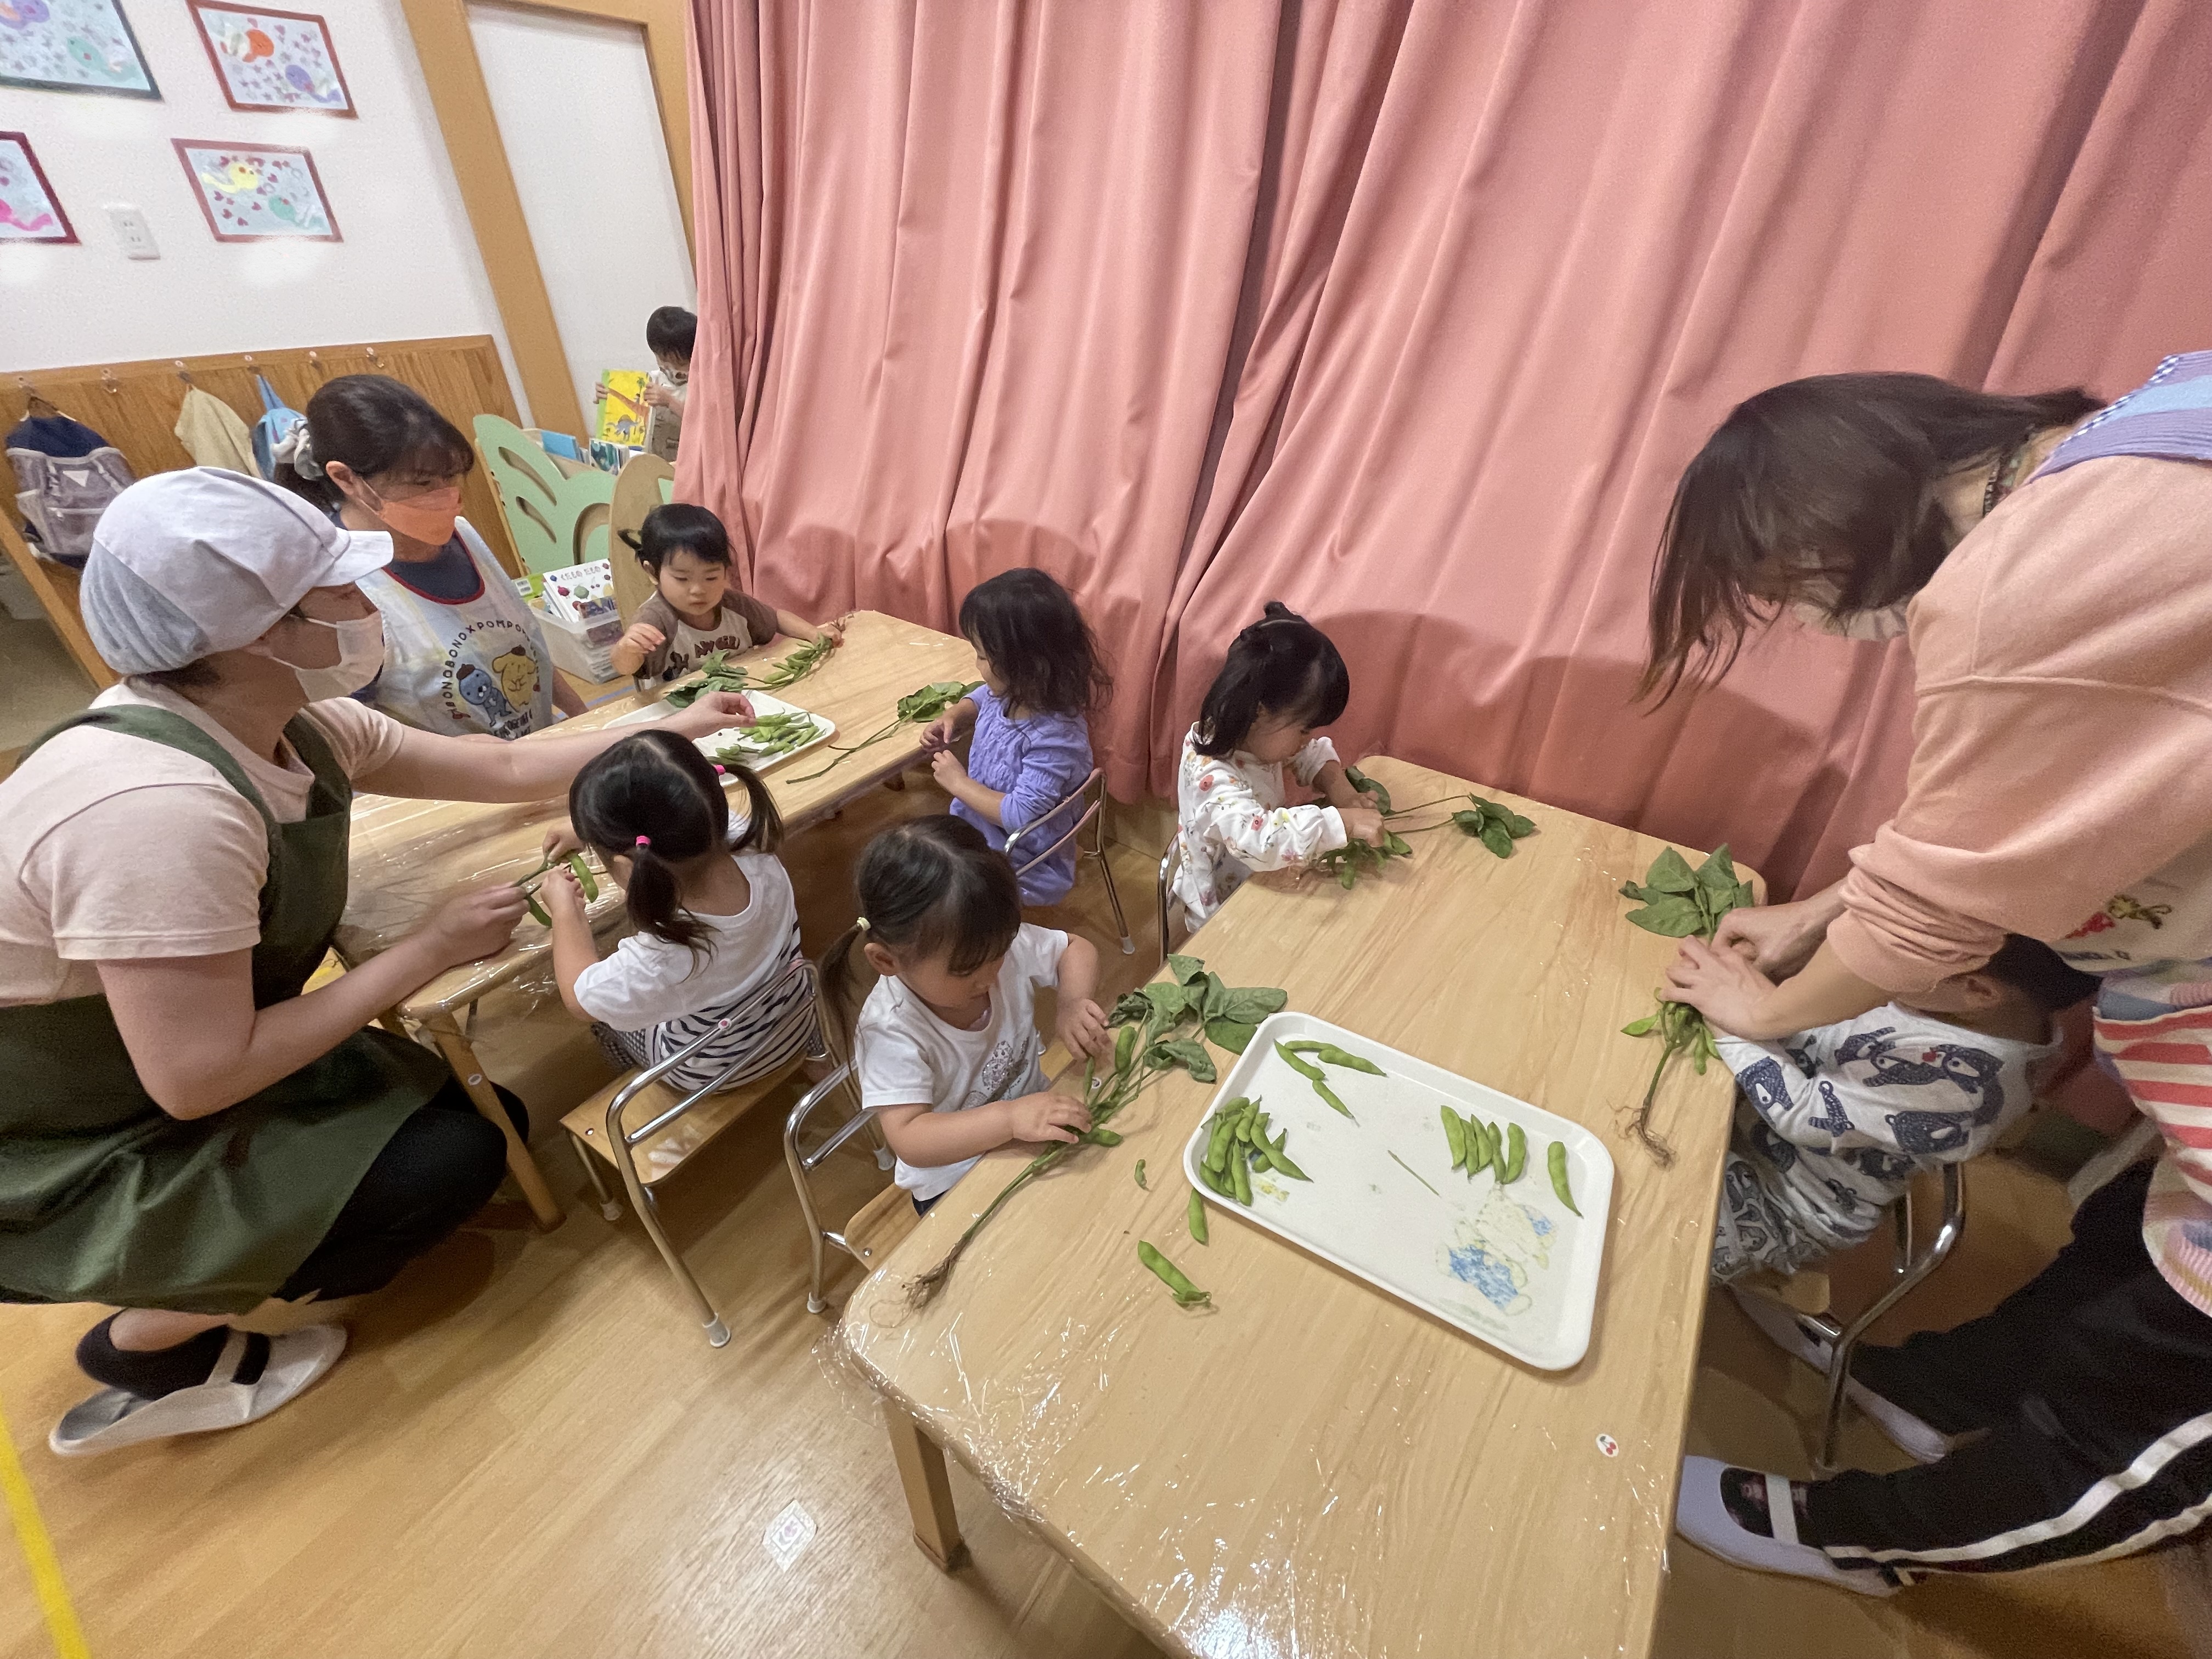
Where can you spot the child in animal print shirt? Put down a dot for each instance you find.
(1832, 1124)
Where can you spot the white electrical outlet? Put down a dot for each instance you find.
(132, 232)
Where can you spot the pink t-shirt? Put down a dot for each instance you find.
(114, 847)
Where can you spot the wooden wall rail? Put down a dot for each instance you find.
(134, 406)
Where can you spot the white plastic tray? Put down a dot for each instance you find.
(824, 728)
(1510, 1266)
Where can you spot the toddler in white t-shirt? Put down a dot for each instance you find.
(947, 1043)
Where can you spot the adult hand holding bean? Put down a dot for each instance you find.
(475, 924)
(713, 711)
(1779, 939)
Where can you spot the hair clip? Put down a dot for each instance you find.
(645, 841)
(722, 771)
(860, 924)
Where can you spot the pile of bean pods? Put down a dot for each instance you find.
(577, 867)
(769, 736)
(1476, 1146)
(1240, 1145)
(1326, 1054)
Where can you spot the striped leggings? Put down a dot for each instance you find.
(2091, 1391)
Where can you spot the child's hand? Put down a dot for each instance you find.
(1721, 986)
(940, 732)
(560, 841)
(659, 396)
(1362, 823)
(1047, 1116)
(643, 638)
(713, 711)
(832, 631)
(1082, 1027)
(558, 892)
(946, 766)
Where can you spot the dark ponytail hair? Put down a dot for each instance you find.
(1281, 664)
(929, 887)
(679, 527)
(659, 785)
(1822, 486)
(1030, 628)
(375, 425)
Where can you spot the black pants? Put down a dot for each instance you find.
(2094, 1383)
(438, 1170)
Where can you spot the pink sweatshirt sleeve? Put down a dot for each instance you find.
(2062, 734)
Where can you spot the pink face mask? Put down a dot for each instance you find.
(427, 518)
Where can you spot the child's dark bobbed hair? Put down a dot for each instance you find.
(654, 799)
(1028, 625)
(670, 332)
(2040, 973)
(1281, 664)
(375, 425)
(928, 887)
(679, 527)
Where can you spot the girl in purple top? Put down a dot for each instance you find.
(1032, 748)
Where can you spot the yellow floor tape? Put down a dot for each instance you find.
(38, 1552)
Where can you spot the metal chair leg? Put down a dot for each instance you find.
(1909, 1273)
(815, 1304)
(1167, 866)
(1113, 894)
(608, 1207)
(640, 1198)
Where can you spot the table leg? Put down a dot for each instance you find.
(928, 1489)
(524, 1168)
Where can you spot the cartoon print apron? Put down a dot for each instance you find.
(461, 669)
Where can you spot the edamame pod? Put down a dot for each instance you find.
(1334, 1056)
(1240, 1181)
(585, 878)
(1140, 1176)
(1455, 1134)
(537, 910)
(1516, 1154)
(1329, 1095)
(1311, 1073)
(1124, 1049)
(1555, 1161)
(1496, 1153)
(1478, 1147)
(1187, 1295)
(1197, 1217)
(1281, 1159)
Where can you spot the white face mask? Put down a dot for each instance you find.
(360, 658)
(1886, 623)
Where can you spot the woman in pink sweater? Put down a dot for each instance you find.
(2054, 574)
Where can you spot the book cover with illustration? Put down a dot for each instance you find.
(623, 407)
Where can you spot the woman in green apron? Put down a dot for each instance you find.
(184, 1131)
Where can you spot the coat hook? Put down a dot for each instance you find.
(314, 359)
(107, 379)
(183, 374)
(374, 358)
(249, 358)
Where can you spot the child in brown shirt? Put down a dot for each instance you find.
(694, 611)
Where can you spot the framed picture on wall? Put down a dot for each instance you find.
(28, 211)
(258, 193)
(272, 59)
(72, 45)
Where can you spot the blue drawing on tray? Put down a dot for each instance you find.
(71, 45)
(1494, 1250)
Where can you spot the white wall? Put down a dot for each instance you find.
(574, 98)
(407, 268)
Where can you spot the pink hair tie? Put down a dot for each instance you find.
(722, 771)
(645, 841)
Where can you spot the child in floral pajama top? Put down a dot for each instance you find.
(1283, 679)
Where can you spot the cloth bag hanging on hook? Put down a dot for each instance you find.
(67, 474)
(275, 423)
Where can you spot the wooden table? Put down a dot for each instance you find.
(410, 856)
(1309, 1466)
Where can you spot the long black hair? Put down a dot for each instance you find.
(1826, 487)
(1282, 665)
(679, 527)
(654, 799)
(375, 425)
(931, 887)
(1028, 625)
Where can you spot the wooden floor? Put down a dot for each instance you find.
(530, 1452)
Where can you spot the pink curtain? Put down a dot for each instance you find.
(1409, 315)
